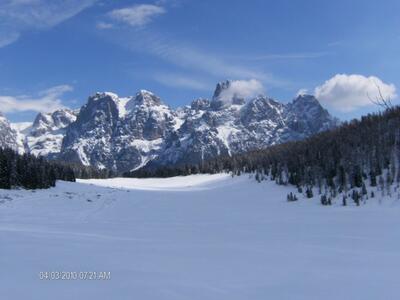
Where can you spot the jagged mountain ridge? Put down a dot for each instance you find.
(216, 129)
(44, 136)
(126, 133)
(47, 132)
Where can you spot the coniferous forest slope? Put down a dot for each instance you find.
(358, 154)
(31, 172)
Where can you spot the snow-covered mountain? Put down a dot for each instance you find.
(119, 133)
(218, 126)
(47, 132)
(44, 136)
(126, 133)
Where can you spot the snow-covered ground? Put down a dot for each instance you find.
(197, 237)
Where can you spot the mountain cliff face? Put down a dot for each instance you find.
(119, 133)
(125, 134)
(8, 136)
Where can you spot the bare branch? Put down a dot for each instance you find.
(380, 100)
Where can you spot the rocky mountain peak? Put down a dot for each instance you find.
(47, 132)
(306, 116)
(51, 121)
(200, 104)
(262, 108)
(144, 97)
(221, 86)
(305, 99)
(63, 117)
(307, 104)
(101, 95)
(224, 98)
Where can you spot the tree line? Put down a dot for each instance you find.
(31, 172)
(357, 154)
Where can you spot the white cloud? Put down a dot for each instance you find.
(47, 101)
(242, 89)
(302, 92)
(349, 92)
(137, 15)
(18, 16)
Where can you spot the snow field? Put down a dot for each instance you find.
(196, 237)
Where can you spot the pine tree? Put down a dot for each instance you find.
(324, 200)
(344, 201)
(356, 197)
(309, 192)
(364, 189)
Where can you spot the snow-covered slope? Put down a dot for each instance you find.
(21, 129)
(199, 237)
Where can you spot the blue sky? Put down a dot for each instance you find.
(56, 53)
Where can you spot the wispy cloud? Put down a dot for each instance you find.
(47, 101)
(181, 81)
(8, 38)
(104, 25)
(336, 43)
(190, 60)
(284, 56)
(194, 59)
(137, 15)
(18, 16)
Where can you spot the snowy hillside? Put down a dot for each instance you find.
(197, 237)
